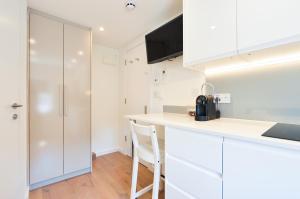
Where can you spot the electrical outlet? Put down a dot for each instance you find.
(225, 98)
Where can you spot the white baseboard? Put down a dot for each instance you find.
(125, 151)
(58, 179)
(27, 192)
(107, 151)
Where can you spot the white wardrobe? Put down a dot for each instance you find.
(60, 108)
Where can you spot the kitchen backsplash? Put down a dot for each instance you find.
(271, 94)
(177, 109)
(174, 85)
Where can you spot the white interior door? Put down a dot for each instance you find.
(138, 82)
(13, 90)
(137, 89)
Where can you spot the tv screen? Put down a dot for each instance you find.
(165, 42)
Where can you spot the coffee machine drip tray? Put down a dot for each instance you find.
(284, 131)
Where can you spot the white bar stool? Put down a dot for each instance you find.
(148, 153)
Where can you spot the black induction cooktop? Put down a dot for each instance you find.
(284, 131)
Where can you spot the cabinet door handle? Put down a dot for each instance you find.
(60, 100)
(65, 101)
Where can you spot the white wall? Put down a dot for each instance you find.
(105, 99)
(174, 85)
(178, 86)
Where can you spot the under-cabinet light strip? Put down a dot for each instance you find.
(252, 65)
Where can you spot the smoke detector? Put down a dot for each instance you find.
(130, 4)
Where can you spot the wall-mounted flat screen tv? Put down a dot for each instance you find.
(165, 42)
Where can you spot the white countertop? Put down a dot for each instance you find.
(247, 130)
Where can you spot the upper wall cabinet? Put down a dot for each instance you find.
(209, 30)
(267, 23)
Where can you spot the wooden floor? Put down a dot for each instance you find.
(111, 179)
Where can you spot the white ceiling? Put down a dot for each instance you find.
(121, 25)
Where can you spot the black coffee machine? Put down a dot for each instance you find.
(207, 106)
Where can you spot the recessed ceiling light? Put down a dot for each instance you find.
(101, 29)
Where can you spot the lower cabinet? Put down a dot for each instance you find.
(199, 165)
(260, 172)
(193, 180)
(175, 193)
(193, 165)
(199, 149)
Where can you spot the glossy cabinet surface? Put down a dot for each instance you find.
(195, 181)
(263, 24)
(77, 92)
(209, 30)
(174, 193)
(199, 149)
(60, 93)
(193, 164)
(46, 98)
(260, 172)
(216, 29)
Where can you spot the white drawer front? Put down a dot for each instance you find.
(195, 181)
(174, 193)
(199, 149)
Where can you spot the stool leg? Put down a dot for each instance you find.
(156, 180)
(162, 179)
(135, 170)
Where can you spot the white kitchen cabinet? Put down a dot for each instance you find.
(209, 30)
(173, 192)
(194, 147)
(193, 164)
(46, 98)
(267, 23)
(260, 171)
(77, 93)
(195, 181)
(59, 76)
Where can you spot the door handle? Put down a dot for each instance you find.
(16, 105)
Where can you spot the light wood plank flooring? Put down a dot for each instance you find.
(111, 179)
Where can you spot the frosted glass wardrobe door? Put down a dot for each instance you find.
(77, 146)
(46, 98)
